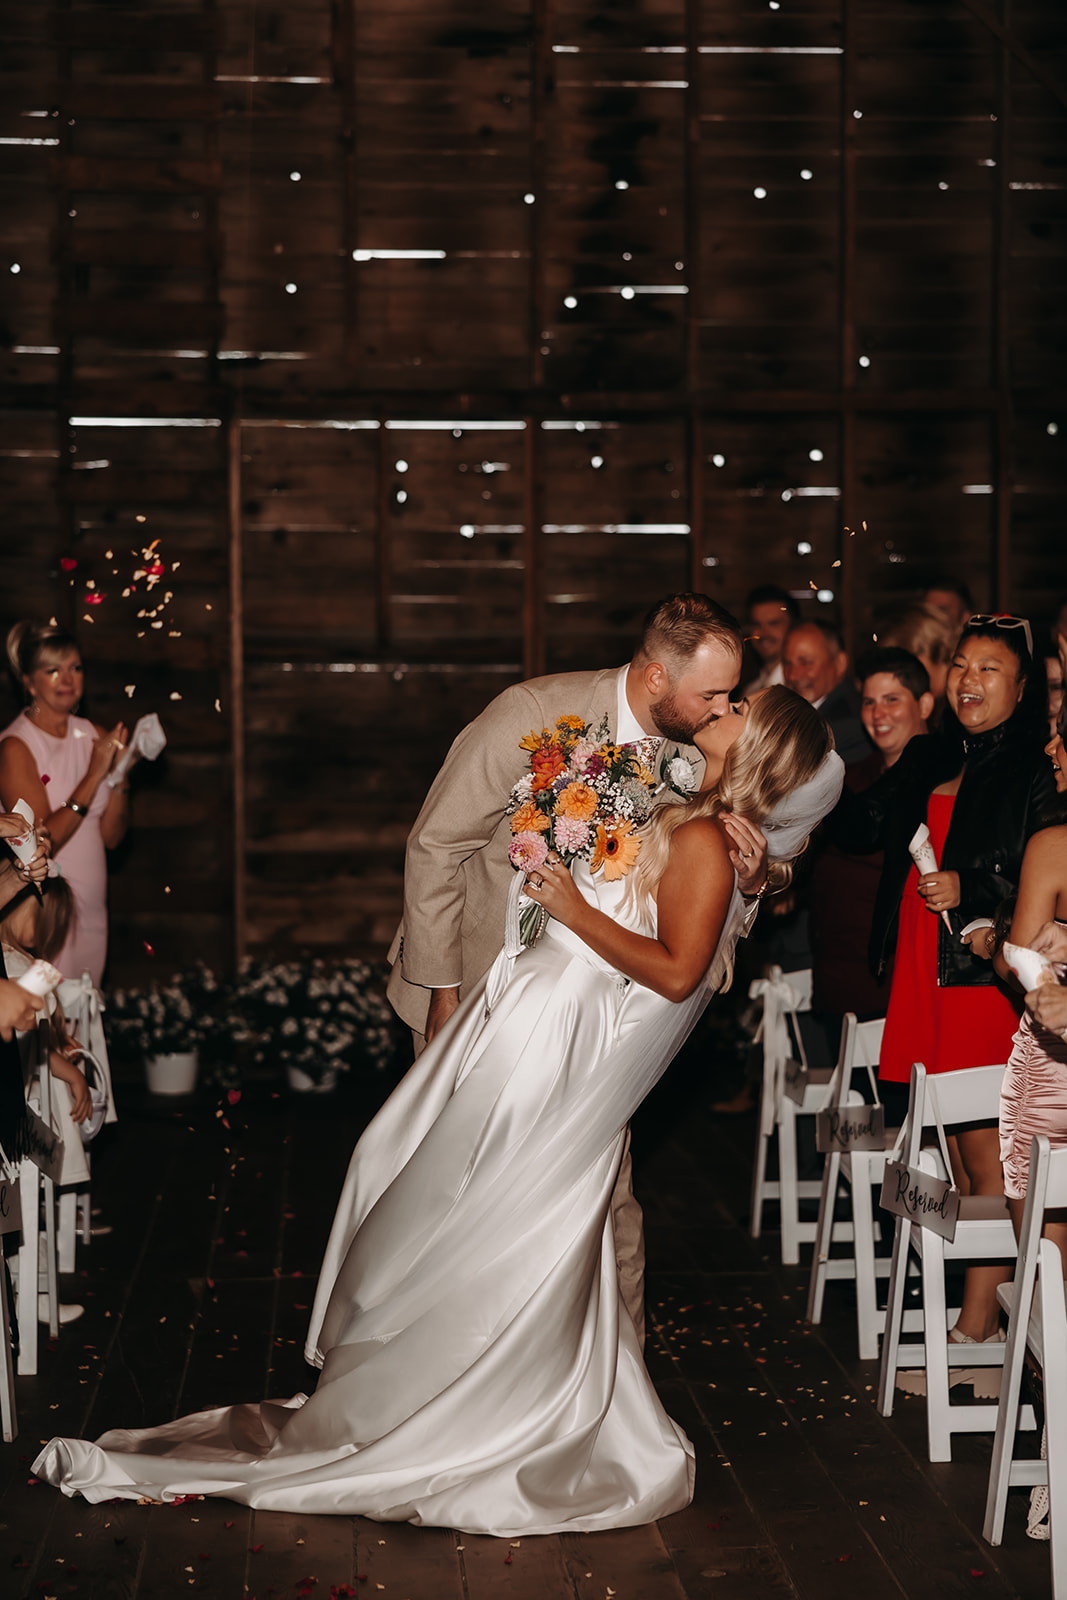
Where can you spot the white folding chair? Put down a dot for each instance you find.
(983, 1233)
(1037, 1312)
(8, 1412)
(82, 1006)
(37, 1193)
(785, 995)
(850, 1177)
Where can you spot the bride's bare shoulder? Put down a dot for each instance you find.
(703, 836)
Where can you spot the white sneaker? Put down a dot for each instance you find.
(68, 1313)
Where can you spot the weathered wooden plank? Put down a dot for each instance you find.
(136, 176)
(132, 30)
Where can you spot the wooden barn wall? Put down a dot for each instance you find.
(410, 346)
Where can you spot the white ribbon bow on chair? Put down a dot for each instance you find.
(781, 1000)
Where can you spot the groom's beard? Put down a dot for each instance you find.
(672, 723)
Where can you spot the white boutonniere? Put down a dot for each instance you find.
(678, 772)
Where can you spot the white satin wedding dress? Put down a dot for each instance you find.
(478, 1368)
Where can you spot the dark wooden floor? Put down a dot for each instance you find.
(200, 1296)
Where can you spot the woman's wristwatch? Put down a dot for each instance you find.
(79, 811)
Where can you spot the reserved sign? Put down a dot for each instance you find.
(918, 1196)
(10, 1206)
(845, 1128)
(44, 1147)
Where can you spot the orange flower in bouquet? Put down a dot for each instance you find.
(579, 801)
(530, 819)
(615, 851)
(546, 764)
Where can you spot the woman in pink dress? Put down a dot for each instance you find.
(1034, 1095)
(59, 763)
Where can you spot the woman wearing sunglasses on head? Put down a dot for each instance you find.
(979, 785)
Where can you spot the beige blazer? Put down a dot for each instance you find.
(456, 871)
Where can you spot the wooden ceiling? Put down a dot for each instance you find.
(432, 340)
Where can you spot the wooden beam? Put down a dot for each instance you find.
(237, 688)
(1000, 444)
(846, 259)
(532, 630)
(1014, 44)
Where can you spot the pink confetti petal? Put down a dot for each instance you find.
(233, 1096)
(67, 563)
(45, 778)
(148, 947)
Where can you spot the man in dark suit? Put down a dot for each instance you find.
(815, 665)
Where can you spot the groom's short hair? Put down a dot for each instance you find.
(677, 626)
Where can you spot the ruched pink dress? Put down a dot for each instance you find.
(62, 763)
(1033, 1099)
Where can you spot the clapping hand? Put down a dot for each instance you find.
(107, 750)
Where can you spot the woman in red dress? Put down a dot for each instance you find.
(979, 785)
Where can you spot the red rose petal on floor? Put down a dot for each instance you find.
(227, 1524)
(977, 1572)
(507, 1559)
(148, 947)
(233, 1096)
(67, 563)
(255, 1548)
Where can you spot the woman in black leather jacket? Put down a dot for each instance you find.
(980, 785)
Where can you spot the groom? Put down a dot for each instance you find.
(457, 872)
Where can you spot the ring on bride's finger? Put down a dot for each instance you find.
(537, 883)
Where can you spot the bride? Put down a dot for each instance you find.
(478, 1369)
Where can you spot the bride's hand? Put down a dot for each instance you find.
(749, 854)
(552, 886)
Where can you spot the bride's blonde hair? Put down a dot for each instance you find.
(782, 745)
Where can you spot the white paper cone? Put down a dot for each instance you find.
(922, 853)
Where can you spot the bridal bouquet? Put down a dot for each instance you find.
(583, 797)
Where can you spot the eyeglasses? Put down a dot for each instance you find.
(1001, 619)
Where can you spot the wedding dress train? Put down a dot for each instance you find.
(478, 1368)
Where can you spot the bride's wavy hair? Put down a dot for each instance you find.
(782, 745)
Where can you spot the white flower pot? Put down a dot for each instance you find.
(300, 1083)
(174, 1073)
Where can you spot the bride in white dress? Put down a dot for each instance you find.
(478, 1368)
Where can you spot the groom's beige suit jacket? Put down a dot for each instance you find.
(456, 871)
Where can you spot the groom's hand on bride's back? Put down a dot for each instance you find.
(748, 854)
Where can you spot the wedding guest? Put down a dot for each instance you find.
(1054, 677)
(36, 927)
(930, 636)
(456, 869)
(814, 665)
(770, 612)
(895, 702)
(980, 785)
(952, 598)
(17, 1008)
(1034, 1093)
(60, 764)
